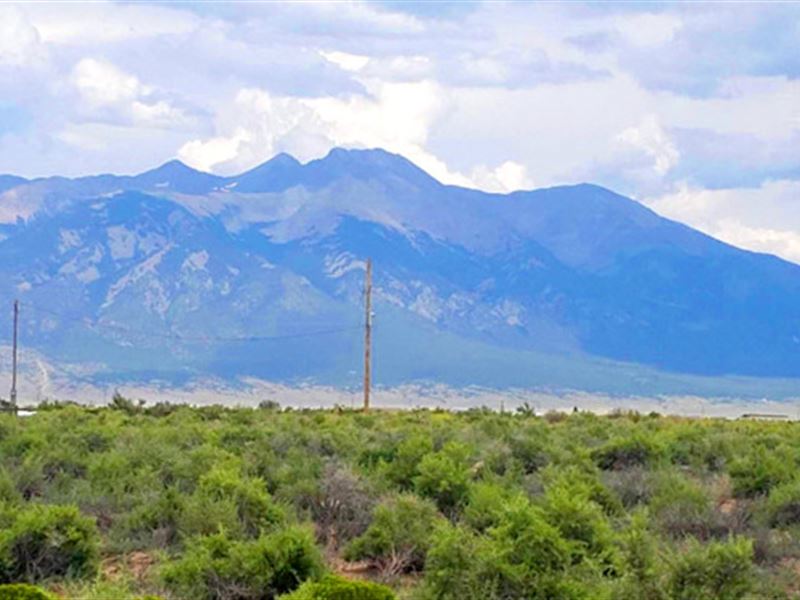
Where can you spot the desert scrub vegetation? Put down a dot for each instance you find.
(132, 501)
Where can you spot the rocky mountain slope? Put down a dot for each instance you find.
(175, 274)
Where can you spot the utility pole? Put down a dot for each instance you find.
(14, 358)
(367, 333)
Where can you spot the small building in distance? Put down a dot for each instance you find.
(764, 417)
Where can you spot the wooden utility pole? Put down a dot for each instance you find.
(14, 357)
(367, 333)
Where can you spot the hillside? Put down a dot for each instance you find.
(175, 274)
(127, 501)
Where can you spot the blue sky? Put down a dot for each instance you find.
(691, 108)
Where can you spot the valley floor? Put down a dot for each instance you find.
(130, 500)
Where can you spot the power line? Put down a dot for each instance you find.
(184, 338)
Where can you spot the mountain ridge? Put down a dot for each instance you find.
(574, 274)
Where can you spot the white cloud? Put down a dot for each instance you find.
(650, 138)
(20, 43)
(780, 242)
(508, 177)
(396, 117)
(763, 219)
(489, 95)
(106, 22)
(648, 29)
(102, 84)
(207, 154)
(253, 128)
(346, 61)
(767, 107)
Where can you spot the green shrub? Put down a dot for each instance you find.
(582, 480)
(497, 506)
(783, 505)
(530, 450)
(402, 466)
(641, 573)
(522, 557)
(525, 538)
(761, 470)
(48, 541)
(633, 486)
(682, 507)
(581, 521)
(627, 452)
(444, 477)
(485, 505)
(338, 588)
(155, 523)
(398, 538)
(453, 566)
(8, 491)
(719, 570)
(699, 447)
(216, 567)
(126, 405)
(223, 500)
(22, 591)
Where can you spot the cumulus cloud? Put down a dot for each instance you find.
(764, 218)
(499, 96)
(396, 117)
(345, 60)
(102, 85)
(507, 177)
(256, 126)
(20, 43)
(649, 137)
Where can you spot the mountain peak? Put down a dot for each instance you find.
(283, 158)
(370, 163)
(284, 171)
(177, 176)
(278, 173)
(171, 168)
(373, 156)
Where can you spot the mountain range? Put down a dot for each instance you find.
(175, 274)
